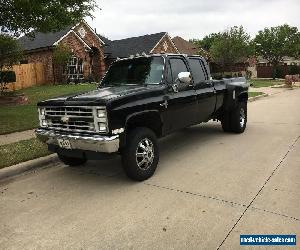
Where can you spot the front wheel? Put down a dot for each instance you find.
(141, 154)
(71, 161)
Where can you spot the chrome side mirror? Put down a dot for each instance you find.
(185, 77)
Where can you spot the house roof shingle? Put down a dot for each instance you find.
(42, 40)
(184, 46)
(133, 45)
(117, 48)
(104, 39)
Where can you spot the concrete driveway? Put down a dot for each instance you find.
(209, 188)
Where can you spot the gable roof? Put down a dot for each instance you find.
(133, 45)
(104, 39)
(42, 40)
(185, 47)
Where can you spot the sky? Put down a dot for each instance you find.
(118, 19)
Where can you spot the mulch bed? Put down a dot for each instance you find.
(12, 100)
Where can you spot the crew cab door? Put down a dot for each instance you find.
(206, 97)
(182, 105)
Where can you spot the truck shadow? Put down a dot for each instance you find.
(170, 146)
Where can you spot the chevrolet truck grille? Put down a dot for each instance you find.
(76, 119)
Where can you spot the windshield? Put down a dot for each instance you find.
(137, 71)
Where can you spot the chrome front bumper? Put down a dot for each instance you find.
(96, 143)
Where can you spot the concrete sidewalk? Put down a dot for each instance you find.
(15, 137)
(269, 90)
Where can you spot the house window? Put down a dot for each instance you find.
(75, 69)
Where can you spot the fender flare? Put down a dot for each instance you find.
(134, 115)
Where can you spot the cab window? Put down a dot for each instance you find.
(197, 70)
(177, 66)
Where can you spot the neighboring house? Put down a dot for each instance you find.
(148, 44)
(264, 69)
(286, 61)
(185, 47)
(87, 47)
(92, 53)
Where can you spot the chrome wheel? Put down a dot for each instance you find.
(242, 117)
(144, 154)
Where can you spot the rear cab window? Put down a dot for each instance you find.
(198, 69)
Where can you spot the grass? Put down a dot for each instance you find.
(252, 94)
(258, 83)
(21, 151)
(24, 117)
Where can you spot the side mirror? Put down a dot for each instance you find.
(185, 77)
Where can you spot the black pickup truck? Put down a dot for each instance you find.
(139, 100)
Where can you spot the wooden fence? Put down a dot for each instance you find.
(28, 75)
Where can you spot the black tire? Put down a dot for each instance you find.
(238, 118)
(71, 161)
(225, 121)
(133, 154)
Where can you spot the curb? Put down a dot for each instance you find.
(254, 98)
(26, 166)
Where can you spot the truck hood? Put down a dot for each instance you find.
(99, 96)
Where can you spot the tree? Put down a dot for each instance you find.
(61, 56)
(231, 46)
(10, 54)
(206, 42)
(276, 42)
(23, 16)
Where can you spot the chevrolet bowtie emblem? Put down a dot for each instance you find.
(65, 119)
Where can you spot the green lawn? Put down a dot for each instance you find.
(24, 117)
(21, 151)
(252, 94)
(258, 83)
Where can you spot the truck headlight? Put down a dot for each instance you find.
(101, 119)
(101, 113)
(102, 127)
(42, 118)
(44, 123)
(42, 111)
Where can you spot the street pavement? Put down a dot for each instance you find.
(209, 188)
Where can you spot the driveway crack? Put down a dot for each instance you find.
(195, 194)
(260, 190)
(271, 212)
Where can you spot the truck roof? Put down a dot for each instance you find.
(160, 54)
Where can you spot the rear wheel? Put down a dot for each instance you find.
(238, 118)
(141, 154)
(71, 161)
(235, 120)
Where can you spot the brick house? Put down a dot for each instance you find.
(92, 53)
(148, 44)
(87, 52)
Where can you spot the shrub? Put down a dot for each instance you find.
(248, 74)
(294, 69)
(6, 77)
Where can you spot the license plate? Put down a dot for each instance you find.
(64, 143)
